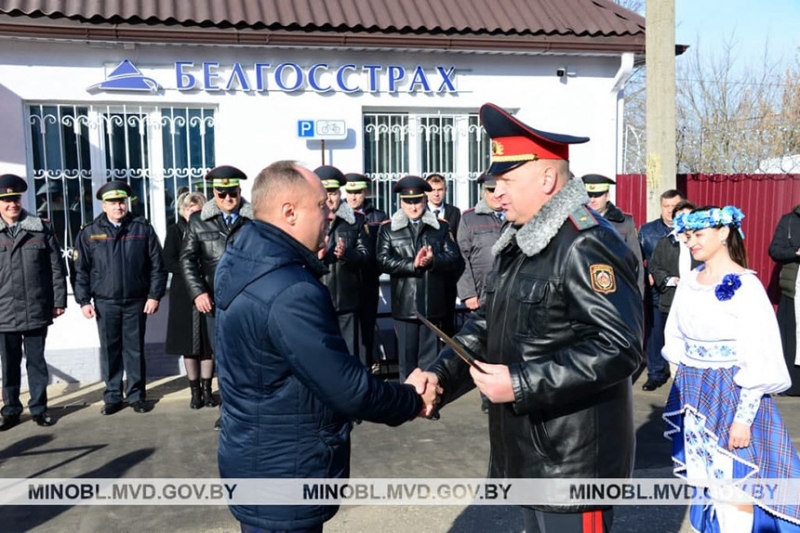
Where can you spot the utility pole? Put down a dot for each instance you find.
(660, 102)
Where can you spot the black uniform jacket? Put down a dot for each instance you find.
(418, 289)
(204, 243)
(118, 264)
(344, 275)
(563, 312)
(32, 275)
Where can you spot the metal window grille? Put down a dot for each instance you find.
(398, 144)
(159, 151)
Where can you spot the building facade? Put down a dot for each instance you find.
(158, 98)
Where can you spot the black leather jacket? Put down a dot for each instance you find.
(563, 312)
(415, 289)
(344, 275)
(204, 243)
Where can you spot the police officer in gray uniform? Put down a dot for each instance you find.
(33, 291)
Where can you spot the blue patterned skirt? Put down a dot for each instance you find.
(699, 414)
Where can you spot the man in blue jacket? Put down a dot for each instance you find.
(290, 388)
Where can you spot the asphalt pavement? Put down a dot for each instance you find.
(173, 441)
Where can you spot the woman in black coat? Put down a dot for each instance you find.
(186, 328)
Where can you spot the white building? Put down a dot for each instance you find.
(157, 98)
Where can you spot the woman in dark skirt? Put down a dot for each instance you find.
(785, 250)
(186, 328)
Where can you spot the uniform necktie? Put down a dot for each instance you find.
(228, 220)
(436, 212)
(500, 216)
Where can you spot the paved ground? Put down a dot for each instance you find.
(173, 441)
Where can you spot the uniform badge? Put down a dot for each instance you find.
(366, 229)
(98, 237)
(75, 255)
(603, 280)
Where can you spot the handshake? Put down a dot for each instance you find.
(427, 386)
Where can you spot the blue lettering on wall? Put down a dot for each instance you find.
(317, 77)
(298, 76)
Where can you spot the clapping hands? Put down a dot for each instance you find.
(424, 257)
(427, 386)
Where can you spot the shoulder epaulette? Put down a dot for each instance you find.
(360, 212)
(470, 210)
(582, 218)
(386, 221)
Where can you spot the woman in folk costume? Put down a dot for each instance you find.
(723, 335)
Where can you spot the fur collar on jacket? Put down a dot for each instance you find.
(482, 208)
(211, 209)
(345, 212)
(400, 220)
(540, 230)
(26, 221)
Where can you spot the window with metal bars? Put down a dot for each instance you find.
(399, 144)
(159, 151)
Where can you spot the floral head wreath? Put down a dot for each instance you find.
(710, 218)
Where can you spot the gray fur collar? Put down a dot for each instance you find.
(345, 212)
(540, 230)
(211, 209)
(27, 222)
(482, 208)
(400, 220)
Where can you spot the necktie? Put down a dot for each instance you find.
(228, 220)
(500, 216)
(436, 213)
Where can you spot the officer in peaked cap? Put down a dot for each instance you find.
(419, 253)
(33, 292)
(357, 189)
(12, 185)
(124, 251)
(208, 233)
(114, 190)
(598, 188)
(332, 178)
(348, 250)
(558, 268)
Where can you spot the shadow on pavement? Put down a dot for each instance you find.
(26, 518)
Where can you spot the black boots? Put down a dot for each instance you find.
(197, 397)
(208, 398)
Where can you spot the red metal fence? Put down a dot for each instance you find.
(764, 198)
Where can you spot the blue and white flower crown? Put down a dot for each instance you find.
(712, 218)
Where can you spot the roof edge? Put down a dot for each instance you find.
(516, 43)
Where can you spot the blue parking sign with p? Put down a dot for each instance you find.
(305, 128)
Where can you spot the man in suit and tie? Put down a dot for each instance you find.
(452, 215)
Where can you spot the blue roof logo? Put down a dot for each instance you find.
(126, 77)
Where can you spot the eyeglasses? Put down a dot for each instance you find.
(225, 194)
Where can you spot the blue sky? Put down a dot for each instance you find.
(749, 24)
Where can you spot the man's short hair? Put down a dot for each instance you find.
(670, 194)
(435, 178)
(276, 178)
(683, 204)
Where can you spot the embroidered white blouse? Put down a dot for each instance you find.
(705, 332)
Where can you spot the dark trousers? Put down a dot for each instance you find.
(367, 316)
(417, 346)
(348, 325)
(586, 522)
(122, 327)
(657, 366)
(11, 345)
(246, 528)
